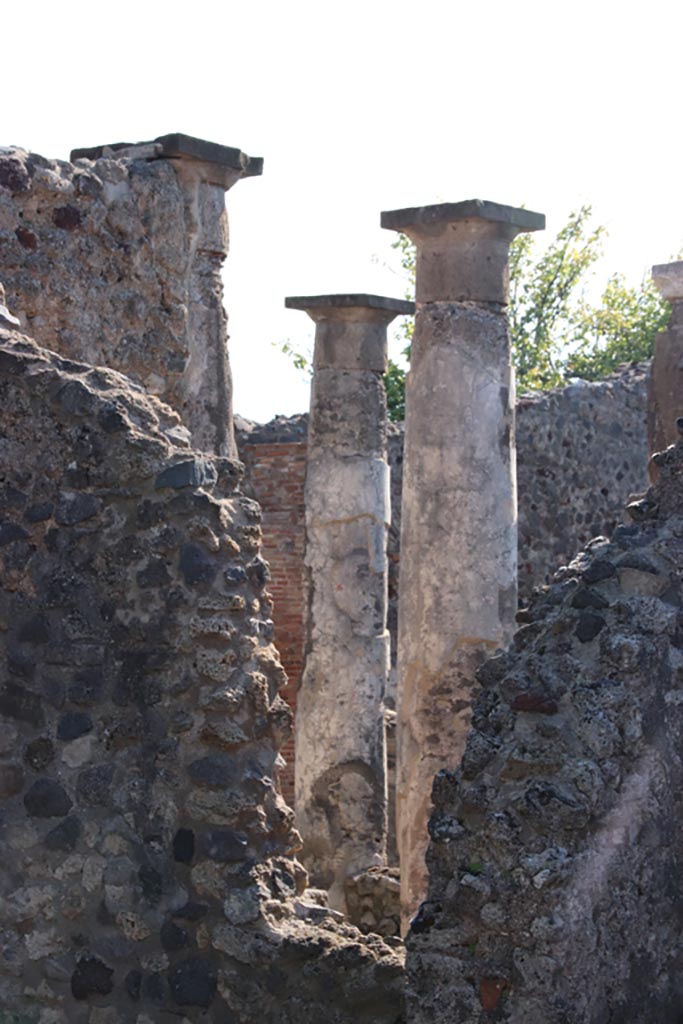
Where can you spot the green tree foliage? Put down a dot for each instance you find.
(555, 331)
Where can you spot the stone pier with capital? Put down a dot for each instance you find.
(665, 397)
(341, 800)
(459, 518)
(115, 259)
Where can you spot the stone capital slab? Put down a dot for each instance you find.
(211, 162)
(668, 278)
(351, 328)
(462, 248)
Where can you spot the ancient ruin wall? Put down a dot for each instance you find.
(555, 857)
(581, 451)
(147, 871)
(117, 262)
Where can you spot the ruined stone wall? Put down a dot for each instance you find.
(147, 871)
(555, 857)
(581, 450)
(117, 261)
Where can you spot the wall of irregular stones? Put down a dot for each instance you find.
(555, 857)
(581, 451)
(148, 870)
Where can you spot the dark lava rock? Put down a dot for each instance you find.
(92, 977)
(11, 780)
(133, 984)
(235, 575)
(173, 937)
(191, 473)
(538, 703)
(35, 630)
(47, 799)
(14, 175)
(68, 217)
(39, 753)
(192, 911)
(584, 598)
(155, 574)
(94, 785)
(21, 704)
(195, 565)
(599, 570)
(155, 988)
(588, 627)
(38, 513)
(86, 689)
(152, 884)
(183, 846)
(214, 770)
(223, 845)
(76, 508)
(10, 532)
(73, 724)
(65, 835)
(193, 982)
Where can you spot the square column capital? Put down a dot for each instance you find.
(351, 329)
(462, 248)
(668, 278)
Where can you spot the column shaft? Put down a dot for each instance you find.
(340, 750)
(459, 519)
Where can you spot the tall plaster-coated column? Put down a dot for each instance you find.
(458, 590)
(206, 170)
(341, 798)
(665, 393)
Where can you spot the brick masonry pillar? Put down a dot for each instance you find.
(459, 515)
(340, 746)
(275, 475)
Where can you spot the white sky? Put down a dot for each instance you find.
(361, 107)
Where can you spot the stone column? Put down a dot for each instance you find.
(206, 171)
(665, 394)
(340, 752)
(458, 591)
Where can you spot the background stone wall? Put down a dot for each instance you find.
(555, 858)
(581, 450)
(148, 872)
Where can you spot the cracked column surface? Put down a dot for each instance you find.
(341, 799)
(666, 374)
(458, 592)
(206, 171)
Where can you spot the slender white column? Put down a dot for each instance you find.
(458, 589)
(340, 752)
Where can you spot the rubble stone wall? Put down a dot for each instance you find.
(581, 451)
(555, 857)
(148, 870)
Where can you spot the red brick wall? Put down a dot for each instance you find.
(275, 478)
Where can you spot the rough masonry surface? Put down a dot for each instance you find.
(117, 261)
(148, 870)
